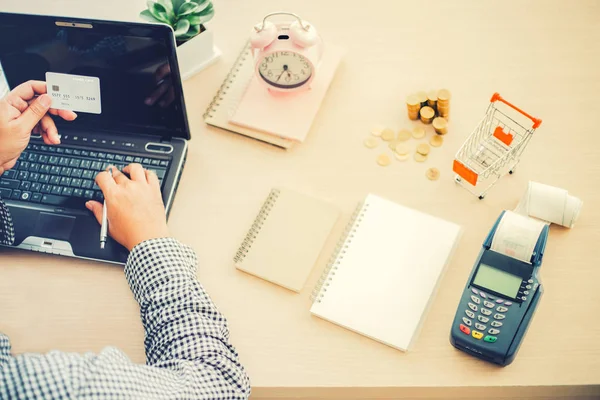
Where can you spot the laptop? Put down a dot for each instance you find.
(138, 115)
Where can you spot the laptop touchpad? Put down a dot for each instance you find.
(54, 226)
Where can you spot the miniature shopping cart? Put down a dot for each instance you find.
(494, 147)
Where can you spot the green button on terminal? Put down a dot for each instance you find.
(490, 339)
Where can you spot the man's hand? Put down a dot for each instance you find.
(22, 113)
(135, 208)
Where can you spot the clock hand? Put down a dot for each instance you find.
(279, 77)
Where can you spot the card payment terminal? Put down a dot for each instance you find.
(498, 302)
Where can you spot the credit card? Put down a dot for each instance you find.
(74, 92)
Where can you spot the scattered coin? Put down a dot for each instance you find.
(402, 157)
(383, 160)
(402, 149)
(392, 144)
(440, 125)
(388, 134)
(418, 132)
(370, 143)
(377, 130)
(420, 157)
(423, 149)
(404, 135)
(432, 174)
(436, 141)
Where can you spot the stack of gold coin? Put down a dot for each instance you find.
(422, 98)
(443, 103)
(440, 125)
(427, 114)
(432, 99)
(413, 105)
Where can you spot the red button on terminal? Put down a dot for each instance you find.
(465, 329)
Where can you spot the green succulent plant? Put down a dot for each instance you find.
(185, 16)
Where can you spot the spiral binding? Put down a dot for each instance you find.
(338, 253)
(256, 226)
(229, 79)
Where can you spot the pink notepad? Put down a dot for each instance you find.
(288, 115)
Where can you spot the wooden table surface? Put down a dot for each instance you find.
(542, 55)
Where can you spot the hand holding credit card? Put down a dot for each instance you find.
(23, 112)
(74, 92)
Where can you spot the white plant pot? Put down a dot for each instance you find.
(196, 54)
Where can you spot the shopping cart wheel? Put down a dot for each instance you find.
(481, 196)
(457, 179)
(510, 172)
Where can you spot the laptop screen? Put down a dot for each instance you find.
(118, 76)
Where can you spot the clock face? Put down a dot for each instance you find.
(285, 69)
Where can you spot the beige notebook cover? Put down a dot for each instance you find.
(286, 238)
(286, 115)
(381, 281)
(231, 91)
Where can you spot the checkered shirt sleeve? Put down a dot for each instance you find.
(187, 342)
(7, 232)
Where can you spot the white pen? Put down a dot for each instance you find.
(104, 227)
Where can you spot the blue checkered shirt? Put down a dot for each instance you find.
(187, 341)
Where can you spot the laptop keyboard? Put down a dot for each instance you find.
(64, 176)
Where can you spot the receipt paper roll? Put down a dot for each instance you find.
(516, 236)
(550, 204)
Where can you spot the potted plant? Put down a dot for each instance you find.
(195, 48)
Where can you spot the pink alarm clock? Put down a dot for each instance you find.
(286, 54)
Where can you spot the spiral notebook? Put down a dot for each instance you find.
(286, 238)
(286, 115)
(242, 105)
(231, 91)
(385, 271)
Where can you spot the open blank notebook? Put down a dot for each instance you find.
(385, 271)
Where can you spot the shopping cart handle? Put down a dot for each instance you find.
(536, 121)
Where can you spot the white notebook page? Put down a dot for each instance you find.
(384, 282)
